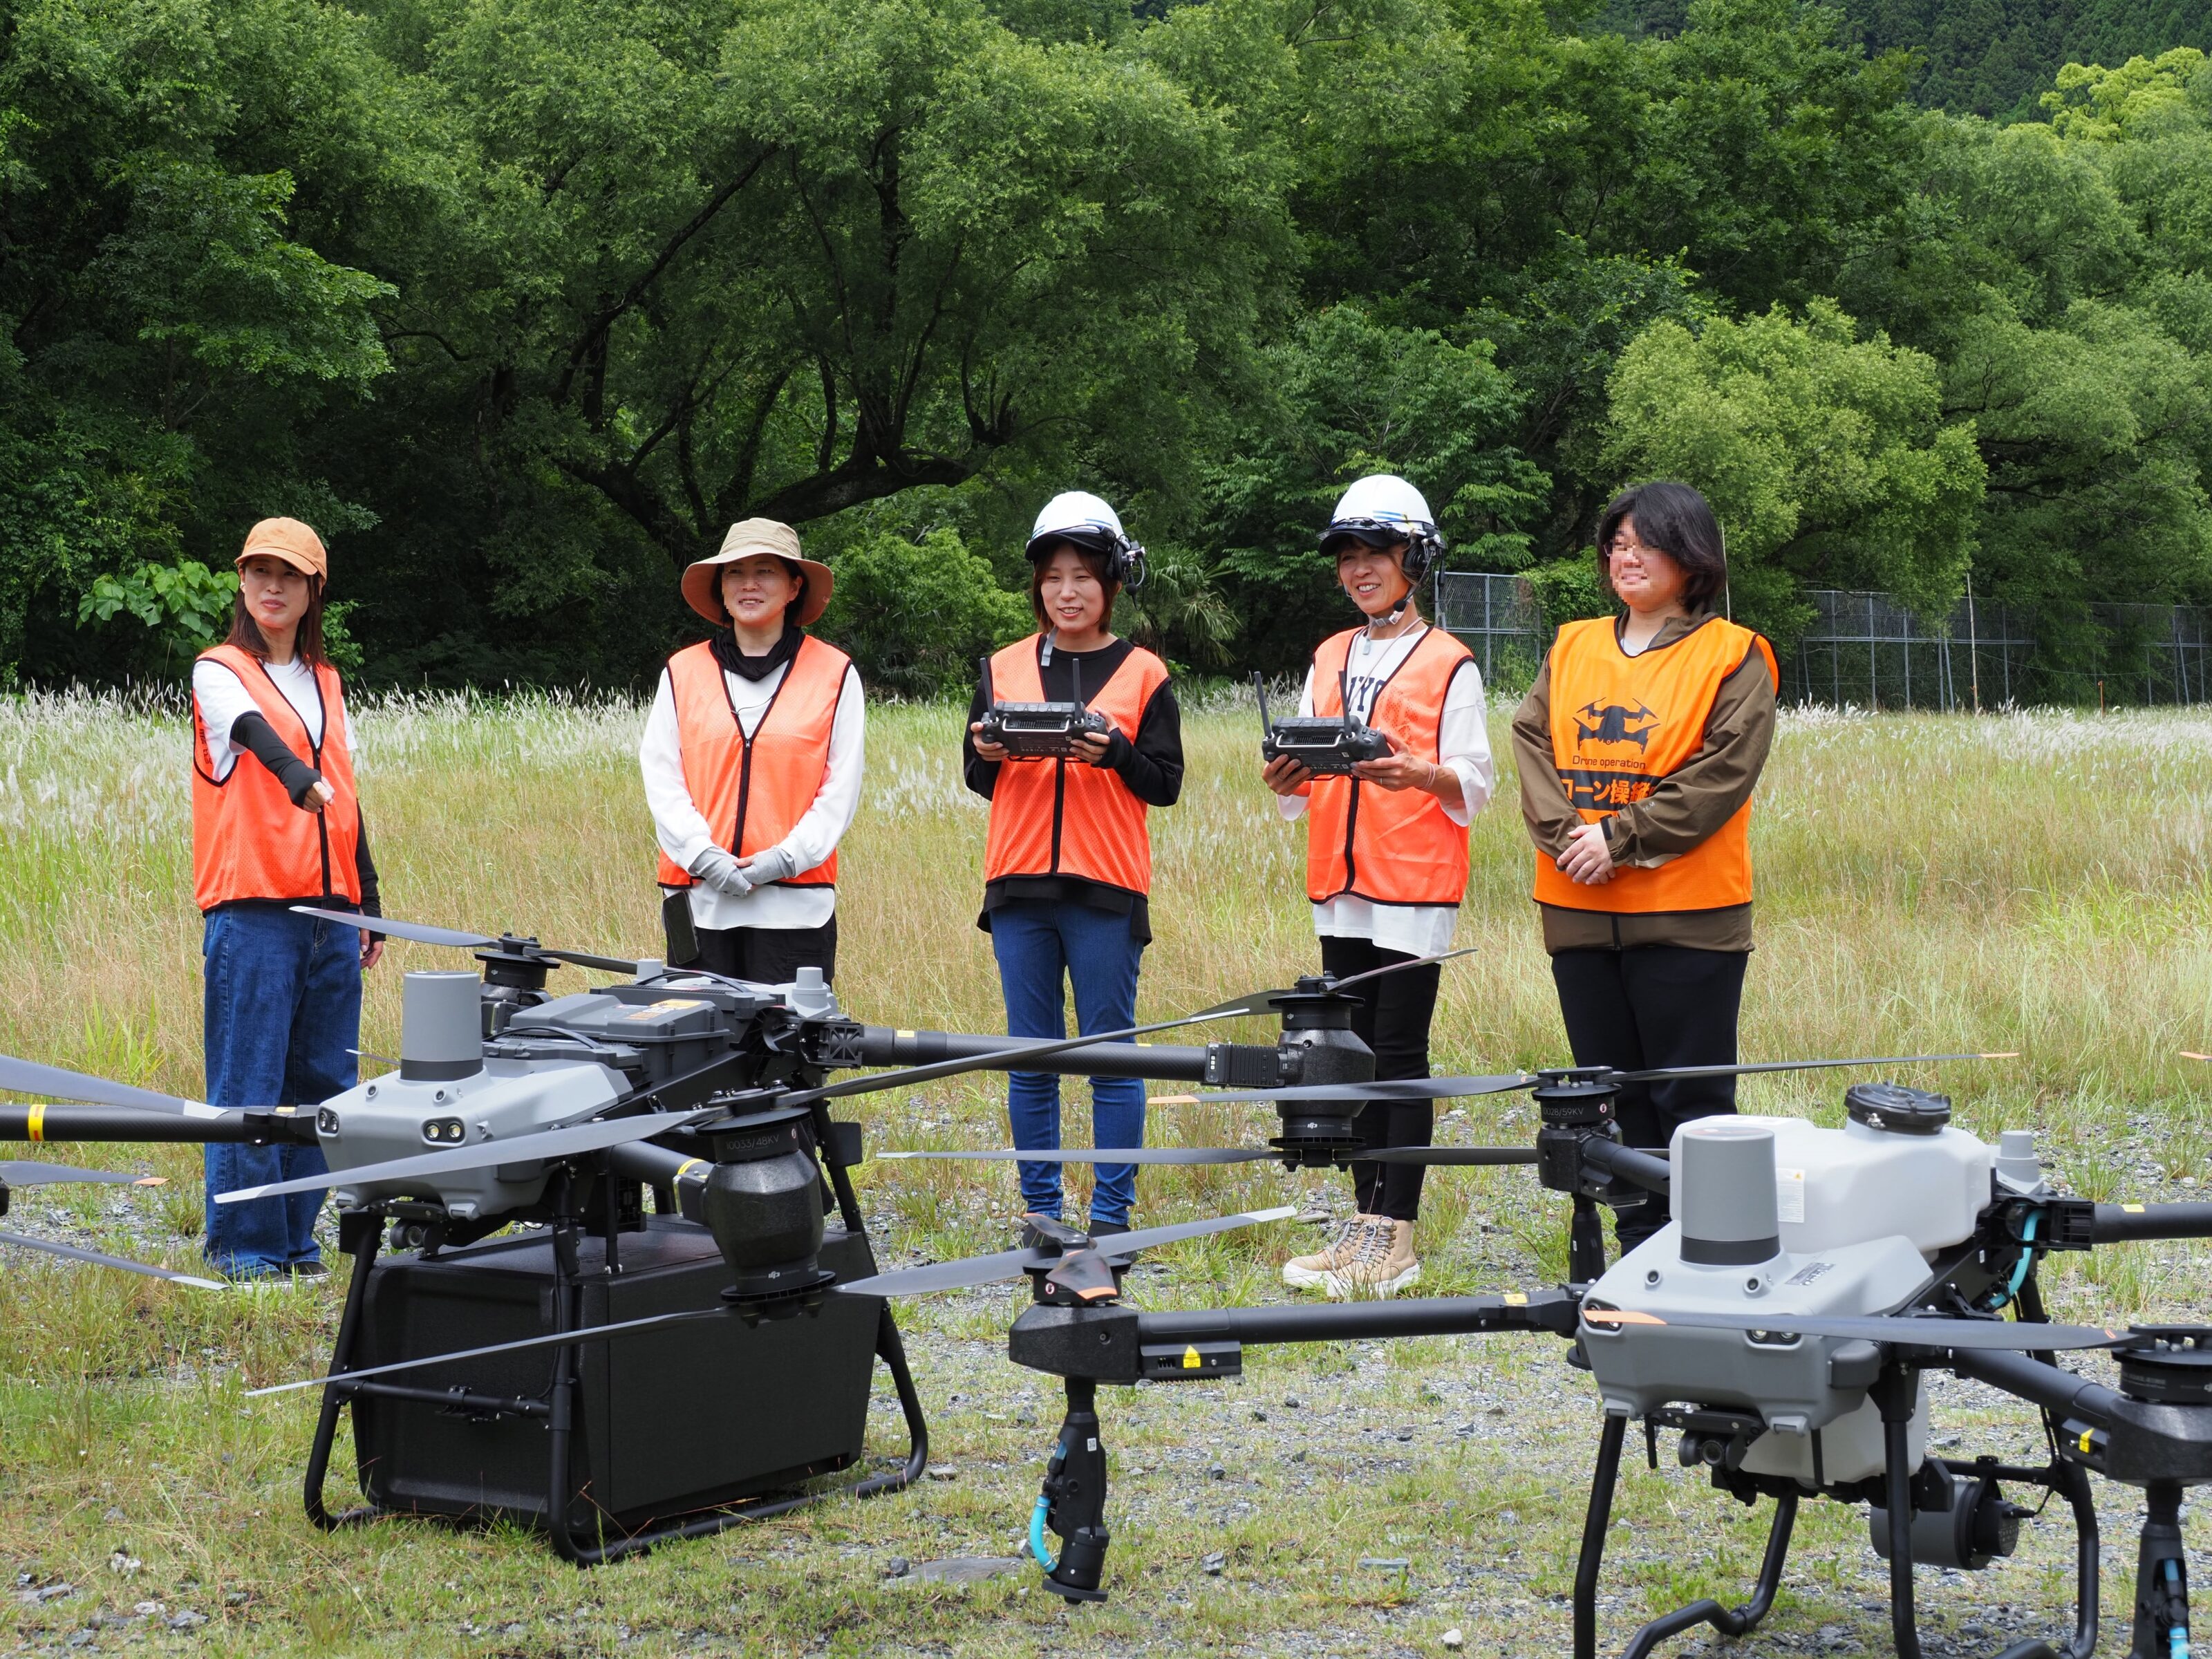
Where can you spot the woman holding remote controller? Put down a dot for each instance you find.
(1386, 848)
(1068, 865)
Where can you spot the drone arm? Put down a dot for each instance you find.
(1642, 1169)
(68, 1123)
(2118, 1223)
(1350, 1321)
(880, 1045)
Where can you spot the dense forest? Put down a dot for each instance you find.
(521, 301)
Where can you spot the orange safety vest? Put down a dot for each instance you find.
(249, 841)
(1619, 725)
(1388, 845)
(1052, 818)
(760, 785)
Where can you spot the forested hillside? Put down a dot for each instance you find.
(1991, 58)
(521, 301)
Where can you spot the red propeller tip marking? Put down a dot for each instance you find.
(1173, 1100)
(2008, 1053)
(1620, 1316)
(2191, 1054)
(151, 1181)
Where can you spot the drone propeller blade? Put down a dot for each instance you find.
(421, 933)
(99, 1258)
(559, 1340)
(1268, 1002)
(1664, 1071)
(900, 1080)
(1447, 1157)
(22, 1172)
(24, 1076)
(1411, 1087)
(593, 1137)
(1904, 1330)
(1106, 1155)
(975, 1270)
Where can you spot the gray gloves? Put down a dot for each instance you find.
(777, 863)
(719, 870)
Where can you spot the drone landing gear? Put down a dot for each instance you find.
(562, 1409)
(2161, 1597)
(1073, 1501)
(2161, 1628)
(1735, 1621)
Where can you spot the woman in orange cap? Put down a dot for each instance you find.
(276, 823)
(752, 758)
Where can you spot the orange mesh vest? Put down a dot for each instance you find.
(752, 791)
(1619, 725)
(249, 841)
(1389, 846)
(1058, 818)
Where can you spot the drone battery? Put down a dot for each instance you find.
(668, 1422)
(665, 1035)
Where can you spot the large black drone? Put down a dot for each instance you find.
(512, 1106)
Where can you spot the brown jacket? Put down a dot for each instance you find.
(1689, 804)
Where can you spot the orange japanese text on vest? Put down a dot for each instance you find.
(1619, 725)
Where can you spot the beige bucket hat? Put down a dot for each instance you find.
(702, 581)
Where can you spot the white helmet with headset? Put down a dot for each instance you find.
(1382, 510)
(1079, 516)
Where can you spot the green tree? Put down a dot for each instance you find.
(166, 336)
(1827, 459)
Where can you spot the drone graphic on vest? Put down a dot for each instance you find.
(549, 1368)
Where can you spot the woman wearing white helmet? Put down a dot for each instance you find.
(1386, 850)
(1068, 868)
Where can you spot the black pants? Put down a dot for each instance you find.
(1659, 1005)
(1393, 1019)
(768, 955)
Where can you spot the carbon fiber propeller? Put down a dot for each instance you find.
(965, 1273)
(423, 933)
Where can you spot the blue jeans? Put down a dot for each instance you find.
(283, 1008)
(1038, 943)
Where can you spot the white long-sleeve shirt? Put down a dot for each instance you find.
(223, 697)
(683, 830)
(1463, 745)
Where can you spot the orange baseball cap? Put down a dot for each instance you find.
(289, 539)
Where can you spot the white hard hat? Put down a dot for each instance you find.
(1383, 509)
(1079, 516)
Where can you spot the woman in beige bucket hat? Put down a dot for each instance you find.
(752, 758)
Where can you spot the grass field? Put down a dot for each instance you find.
(2035, 882)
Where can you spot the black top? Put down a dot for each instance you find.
(252, 732)
(1151, 767)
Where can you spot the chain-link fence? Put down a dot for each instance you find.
(1500, 620)
(1865, 650)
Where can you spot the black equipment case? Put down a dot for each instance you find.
(666, 1422)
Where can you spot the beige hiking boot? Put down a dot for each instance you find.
(1382, 1261)
(1310, 1272)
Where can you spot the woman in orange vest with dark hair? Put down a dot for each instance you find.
(752, 758)
(276, 823)
(1067, 869)
(1386, 850)
(1639, 745)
